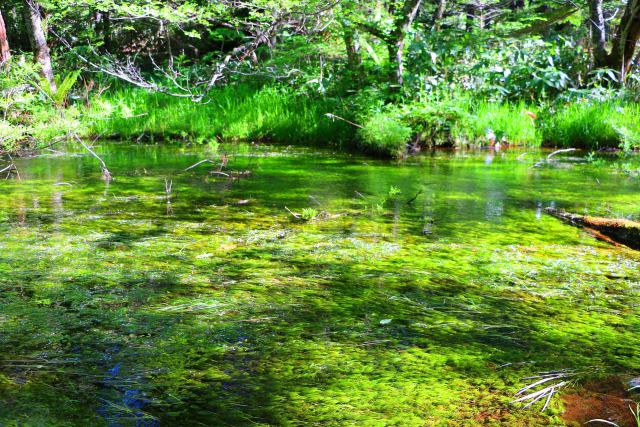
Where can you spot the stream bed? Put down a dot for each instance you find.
(278, 285)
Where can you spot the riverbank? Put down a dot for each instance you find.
(279, 114)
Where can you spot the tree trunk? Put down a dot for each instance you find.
(598, 33)
(4, 44)
(437, 17)
(624, 44)
(352, 46)
(38, 40)
(470, 16)
(517, 5)
(396, 47)
(611, 230)
(398, 60)
(103, 28)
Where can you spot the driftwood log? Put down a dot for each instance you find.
(615, 231)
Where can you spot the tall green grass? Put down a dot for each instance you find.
(593, 125)
(230, 113)
(508, 120)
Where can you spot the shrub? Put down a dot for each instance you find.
(436, 123)
(385, 134)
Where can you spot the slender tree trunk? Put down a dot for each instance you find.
(470, 16)
(598, 33)
(398, 60)
(352, 46)
(103, 28)
(437, 17)
(38, 40)
(4, 44)
(396, 47)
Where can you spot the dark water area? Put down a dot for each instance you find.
(290, 286)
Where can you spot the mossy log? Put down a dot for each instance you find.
(616, 231)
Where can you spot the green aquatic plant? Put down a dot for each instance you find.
(394, 191)
(308, 214)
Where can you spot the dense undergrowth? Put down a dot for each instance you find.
(526, 94)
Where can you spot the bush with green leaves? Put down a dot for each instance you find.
(386, 134)
(496, 68)
(436, 123)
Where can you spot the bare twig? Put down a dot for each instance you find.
(197, 164)
(334, 117)
(106, 175)
(295, 215)
(565, 150)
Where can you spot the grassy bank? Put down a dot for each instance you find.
(280, 114)
(593, 125)
(231, 113)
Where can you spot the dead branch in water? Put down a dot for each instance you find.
(611, 230)
(548, 391)
(198, 164)
(11, 169)
(295, 215)
(564, 150)
(106, 175)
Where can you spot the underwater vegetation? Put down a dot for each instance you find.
(412, 294)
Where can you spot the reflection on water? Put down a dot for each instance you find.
(177, 296)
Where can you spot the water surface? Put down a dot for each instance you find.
(421, 293)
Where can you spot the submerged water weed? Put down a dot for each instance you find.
(308, 214)
(234, 313)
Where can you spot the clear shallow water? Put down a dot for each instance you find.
(423, 305)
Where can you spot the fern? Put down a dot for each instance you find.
(61, 93)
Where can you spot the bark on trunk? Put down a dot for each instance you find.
(4, 44)
(517, 5)
(624, 41)
(598, 33)
(38, 40)
(396, 47)
(103, 28)
(352, 46)
(624, 44)
(616, 231)
(439, 14)
(470, 16)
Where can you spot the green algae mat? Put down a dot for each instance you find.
(284, 286)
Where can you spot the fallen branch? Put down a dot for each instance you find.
(564, 150)
(611, 230)
(295, 215)
(198, 164)
(106, 175)
(334, 117)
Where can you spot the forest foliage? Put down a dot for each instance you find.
(406, 74)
